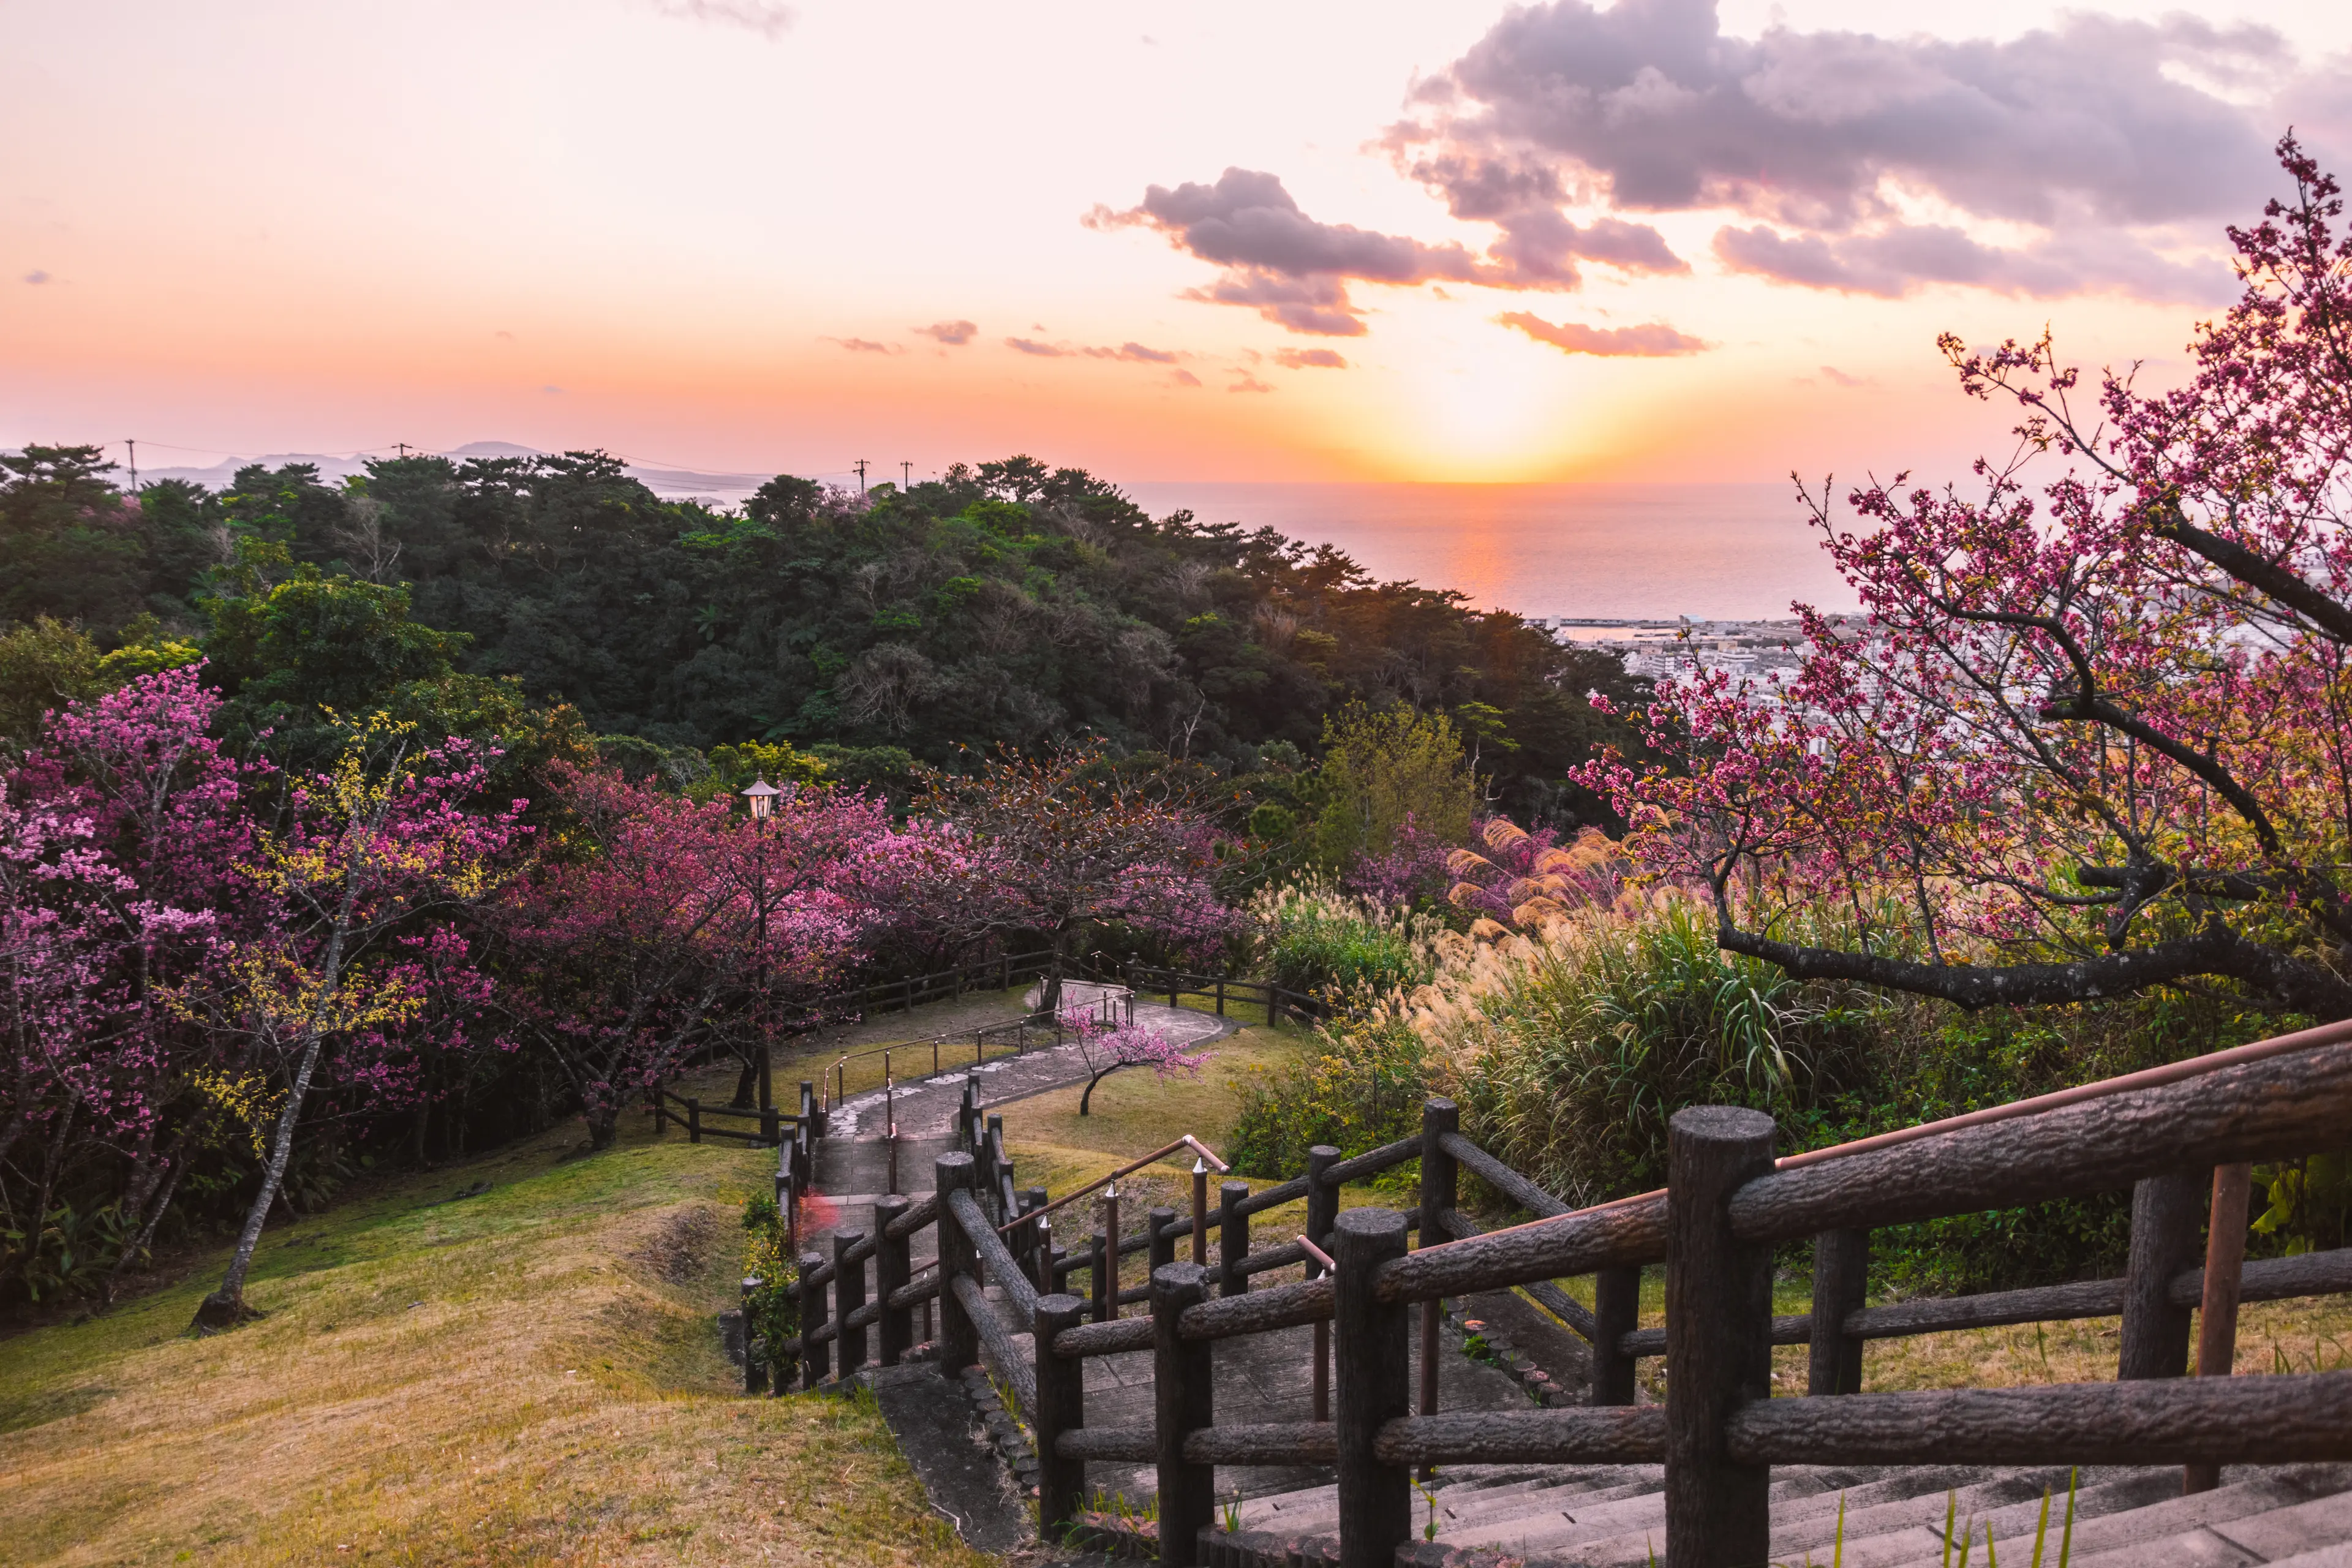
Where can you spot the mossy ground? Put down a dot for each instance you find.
(526, 1377)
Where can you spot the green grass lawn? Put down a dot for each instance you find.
(526, 1377)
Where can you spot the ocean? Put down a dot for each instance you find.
(1727, 552)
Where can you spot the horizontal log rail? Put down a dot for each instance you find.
(1543, 1292)
(1609, 1235)
(2273, 1106)
(1263, 1443)
(1114, 1338)
(1114, 1443)
(2268, 1279)
(1260, 1311)
(2278, 1419)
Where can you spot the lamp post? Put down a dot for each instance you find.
(762, 797)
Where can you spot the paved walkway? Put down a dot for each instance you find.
(927, 1108)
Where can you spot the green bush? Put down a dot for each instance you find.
(1320, 941)
(773, 1311)
(1356, 1091)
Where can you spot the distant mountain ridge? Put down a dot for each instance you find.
(670, 484)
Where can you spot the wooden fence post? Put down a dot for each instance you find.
(958, 1339)
(1616, 1313)
(1100, 1278)
(1718, 1338)
(1438, 1194)
(2217, 1318)
(1233, 1237)
(848, 1295)
(892, 1265)
(1841, 1279)
(694, 1121)
(755, 1367)
(772, 1128)
(1061, 1407)
(1162, 1231)
(1183, 1403)
(1375, 1499)
(812, 1353)
(1221, 995)
(1322, 1208)
(2166, 1212)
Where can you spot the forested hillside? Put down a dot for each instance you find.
(1008, 602)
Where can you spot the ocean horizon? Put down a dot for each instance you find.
(1712, 551)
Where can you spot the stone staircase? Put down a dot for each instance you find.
(1855, 1517)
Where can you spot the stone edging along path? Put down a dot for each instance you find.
(926, 1107)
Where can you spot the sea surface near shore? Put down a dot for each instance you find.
(1716, 551)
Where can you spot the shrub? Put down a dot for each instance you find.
(1316, 940)
(771, 1311)
(1361, 1087)
(1568, 1049)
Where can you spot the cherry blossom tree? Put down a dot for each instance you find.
(1106, 1047)
(382, 843)
(2089, 738)
(1054, 843)
(630, 947)
(119, 835)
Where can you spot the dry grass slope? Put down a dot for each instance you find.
(528, 1376)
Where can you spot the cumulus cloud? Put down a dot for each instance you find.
(1294, 269)
(36, 276)
(2095, 132)
(1185, 378)
(1832, 373)
(1031, 346)
(1653, 341)
(761, 16)
(955, 334)
(866, 346)
(1309, 359)
(1248, 383)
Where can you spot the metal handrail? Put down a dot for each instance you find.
(1186, 1142)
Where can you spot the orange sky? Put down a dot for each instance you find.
(659, 226)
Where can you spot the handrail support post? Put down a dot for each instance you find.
(1718, 1338)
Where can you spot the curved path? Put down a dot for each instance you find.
(927, 1108)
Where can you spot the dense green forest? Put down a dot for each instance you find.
(1008, 602)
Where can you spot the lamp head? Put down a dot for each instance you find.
(762, 797)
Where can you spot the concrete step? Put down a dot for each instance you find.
(1614, 1516)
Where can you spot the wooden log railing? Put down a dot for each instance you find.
(1733, 1203)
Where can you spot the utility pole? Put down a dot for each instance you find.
(860, 465)
(404, 447)
(134, 463)
(907, 476)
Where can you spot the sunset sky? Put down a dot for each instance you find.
(1665, 240)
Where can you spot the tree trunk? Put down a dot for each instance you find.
(603, 1127)
(1089, 1094)
(747, 1083)
(226, 1308)
(1049, 998)
(138, 1248)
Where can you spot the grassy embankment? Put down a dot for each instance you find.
(526, 1376)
